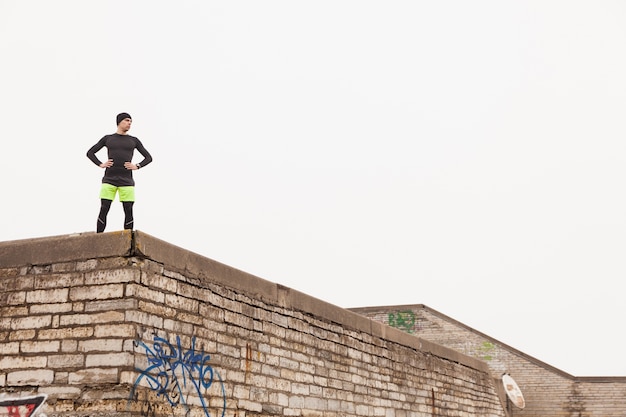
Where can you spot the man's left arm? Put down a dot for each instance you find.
(147, 158)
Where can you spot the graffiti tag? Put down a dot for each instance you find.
(23, 406)
(175, 374)
(403, 320)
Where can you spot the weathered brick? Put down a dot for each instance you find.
(175, 275)
(40, 269)
(250, 405)
(115, 330)
(181, 303)
(190, 318)
(210, 312)
(111, 276)
(64, 391)
(138, 291)
(58, 295)
(39, 377)
(100, 345)
(93, 375)
(69, 345)
(12, 348)
(64, 267)
(66, 333)
(66, 361)
(26, 334)
(105, 394)
(9, 272)
(20, 362)
(156, 309)
(61, 377)
(34, 322)
(97, 292)
(144, 318)
(128, 377)
(30, 346)
(64, 406)
(12, 298)
(159, 282)
(50, 308)
(109, 359)
(58, 280)
(105, 305)
(87, 265)
(115, 263)
(16, 284)
(13, 311)
(177, 326)
(78, 319)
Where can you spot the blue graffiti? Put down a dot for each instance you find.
(170, 370)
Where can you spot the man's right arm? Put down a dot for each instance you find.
(91, 153)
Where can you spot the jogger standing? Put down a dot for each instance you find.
(118, 174)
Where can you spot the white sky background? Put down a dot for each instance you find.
(467, 155)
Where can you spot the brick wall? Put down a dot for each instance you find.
(123, 324)
(548, 392)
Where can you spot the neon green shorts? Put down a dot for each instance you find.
(108, 191)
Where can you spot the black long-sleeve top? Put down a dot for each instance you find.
(120, 149)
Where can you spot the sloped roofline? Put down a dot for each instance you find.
(595, 379)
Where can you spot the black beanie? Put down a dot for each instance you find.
(122, 116)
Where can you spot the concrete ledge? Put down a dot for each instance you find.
(200, 267)
(196, 266)
(85, 246)
(76, 247)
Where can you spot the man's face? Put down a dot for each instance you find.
(124, 125)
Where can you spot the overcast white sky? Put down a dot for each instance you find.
(467, 155)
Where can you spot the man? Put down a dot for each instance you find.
(118, 174)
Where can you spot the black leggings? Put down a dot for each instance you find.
(105, 205)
